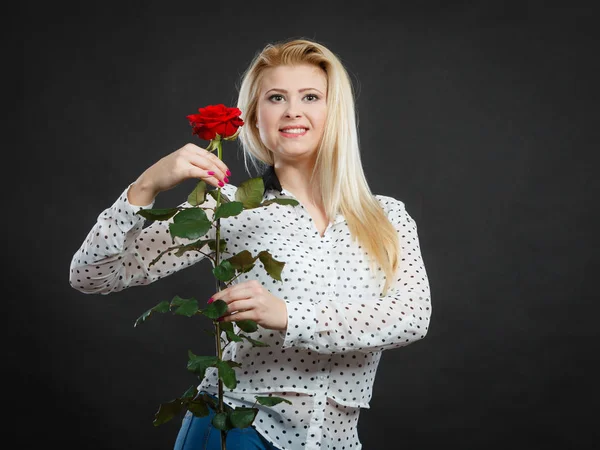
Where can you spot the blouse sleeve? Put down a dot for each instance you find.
(118, 251)
(397, 319)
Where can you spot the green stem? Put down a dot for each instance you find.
(216, 322)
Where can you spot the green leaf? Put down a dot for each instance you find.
(185, 307)
(190, 224)
(226, 326)
(242, 417)
(254, 342)
(162, 307)
(271, 401)
(224, 271)
(212, 402)
(198, 195)
(227, 374)
(272, 266)
(215, 310)
(158, 213)
(249, 326)
(178, 301)
(199, 364)
(280, 201)
(214, 194)
(198, 407)
(243, 261)
(166, 411)
(228, 210)
(247, 269)
(191, 392)
(250, 192)
(219, 421)
(231, 336)
(233, 364)
(213, 245)
(189, 215)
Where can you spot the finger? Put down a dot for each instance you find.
(241, 315)
(207, 176)
(239, 306)
(214, 179)
(209, 172)
(218, 164)
(236, 292)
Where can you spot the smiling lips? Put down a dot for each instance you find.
(293, 131)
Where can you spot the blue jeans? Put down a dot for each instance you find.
(198, 433)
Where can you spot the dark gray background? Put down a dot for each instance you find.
(481, 116)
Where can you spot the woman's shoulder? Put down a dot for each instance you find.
(395, 209)
(390, 203)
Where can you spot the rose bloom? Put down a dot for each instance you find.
(216, 119)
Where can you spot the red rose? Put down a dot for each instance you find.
(216, 119)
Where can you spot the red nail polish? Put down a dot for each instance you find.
(226, 180)
(220, 319)
(210, 300)
(228, 173)
(210, 172)
(221, 184)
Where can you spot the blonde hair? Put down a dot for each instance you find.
(338, 167)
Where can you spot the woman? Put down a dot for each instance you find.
(354, 281)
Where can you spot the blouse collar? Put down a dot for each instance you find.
(270, 180)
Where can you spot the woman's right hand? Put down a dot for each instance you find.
(190, 161)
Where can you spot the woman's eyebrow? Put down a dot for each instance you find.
(284, 91)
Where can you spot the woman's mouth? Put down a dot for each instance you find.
(293, 131)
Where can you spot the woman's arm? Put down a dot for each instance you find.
(118, 252)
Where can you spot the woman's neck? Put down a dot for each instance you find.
(296, 180)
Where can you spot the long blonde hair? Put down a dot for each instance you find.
(338, 166)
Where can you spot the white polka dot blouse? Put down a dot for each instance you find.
(338, 320)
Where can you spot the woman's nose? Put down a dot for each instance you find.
(293, 110)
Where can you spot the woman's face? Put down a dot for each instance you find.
(291, 111)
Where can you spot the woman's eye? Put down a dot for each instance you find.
(276, 98)
(312, 97)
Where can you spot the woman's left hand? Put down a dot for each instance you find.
(250, 300)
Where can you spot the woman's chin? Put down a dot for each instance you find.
(295, 155)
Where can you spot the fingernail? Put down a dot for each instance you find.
(211, 172)
(228, 173)
(221, 184)
(210, 300)
(220, 319)
(226, 180)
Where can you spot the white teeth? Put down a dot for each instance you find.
(294, 130)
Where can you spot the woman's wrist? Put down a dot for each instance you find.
(140, 193)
